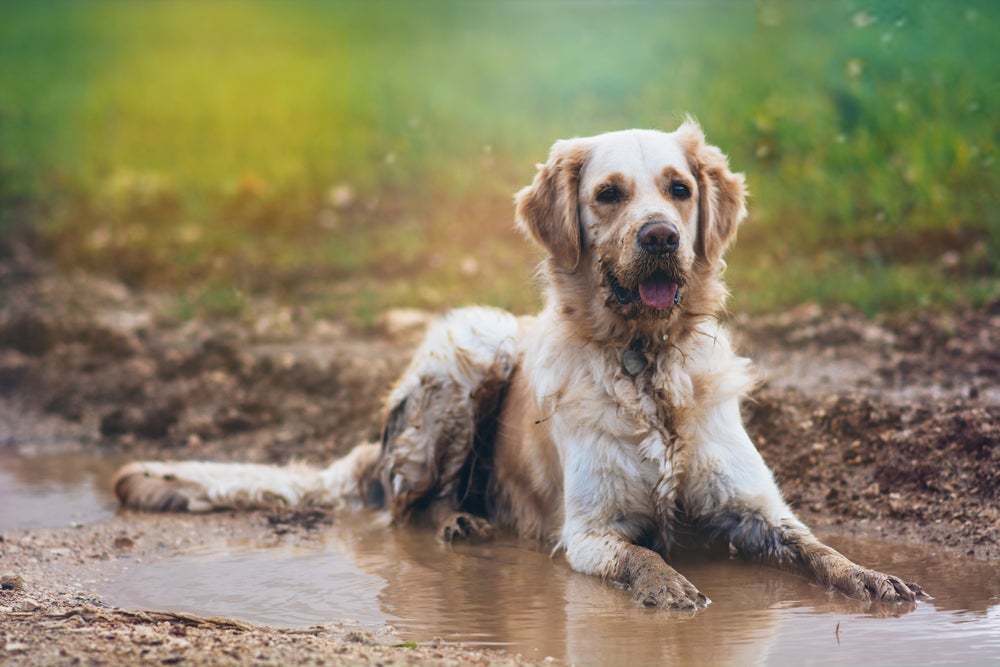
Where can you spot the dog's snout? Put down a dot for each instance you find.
(659, 238)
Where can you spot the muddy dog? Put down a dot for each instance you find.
(609, 424)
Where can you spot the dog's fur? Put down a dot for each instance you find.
(609, 424)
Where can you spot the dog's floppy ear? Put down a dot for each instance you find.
(722, 198)
(548, 211)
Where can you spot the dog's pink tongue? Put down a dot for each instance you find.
(657, 292)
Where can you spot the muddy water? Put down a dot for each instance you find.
(512, 594)
(50, 487)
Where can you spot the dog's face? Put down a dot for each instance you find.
(638, 216)
(642, 216)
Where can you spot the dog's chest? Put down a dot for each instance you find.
(619, 421)
(649, 390)
(628, 395)
(654, 394)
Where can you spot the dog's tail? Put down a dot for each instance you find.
(201, 486)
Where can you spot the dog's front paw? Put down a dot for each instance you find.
(668, 591)
(460, 525)
(864, 584)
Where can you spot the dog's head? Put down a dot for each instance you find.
(640, 217)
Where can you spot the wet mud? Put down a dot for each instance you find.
(886, 428)
(891, 425)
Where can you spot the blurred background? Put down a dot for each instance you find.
(356, 156)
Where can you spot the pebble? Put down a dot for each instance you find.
(124, 543)
(29, 604)
(10, 581)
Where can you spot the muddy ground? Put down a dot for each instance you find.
(888, 427)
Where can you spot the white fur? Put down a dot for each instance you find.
(207, 486)
(458, 346)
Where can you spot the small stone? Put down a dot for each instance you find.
(10, 581)
(124, 543)
(29, 604)
(872, 491)
(634, 362)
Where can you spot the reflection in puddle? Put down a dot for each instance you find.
(52, 489)
(510, 593)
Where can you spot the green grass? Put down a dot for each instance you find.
(362, 155)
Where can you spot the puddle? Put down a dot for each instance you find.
(510, 594)
(52, 488)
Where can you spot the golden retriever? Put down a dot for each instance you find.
(608, 425)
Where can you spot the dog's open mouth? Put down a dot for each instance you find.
(659, 291)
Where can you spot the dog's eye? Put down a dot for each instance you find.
(609, 194)
(680, 191)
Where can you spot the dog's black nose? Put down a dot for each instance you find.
(659, 238)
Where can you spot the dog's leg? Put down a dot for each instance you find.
(731, 492)
(606, 513)
(642, 571)
(789, 545)
(199, 486)
(452, 385)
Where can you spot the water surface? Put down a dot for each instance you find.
(510, 593)
(52, 487)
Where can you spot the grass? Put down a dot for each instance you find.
(362, 155)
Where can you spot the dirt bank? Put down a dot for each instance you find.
(889, 427)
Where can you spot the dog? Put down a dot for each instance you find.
(608, 425)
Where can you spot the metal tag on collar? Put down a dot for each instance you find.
(633, 359)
